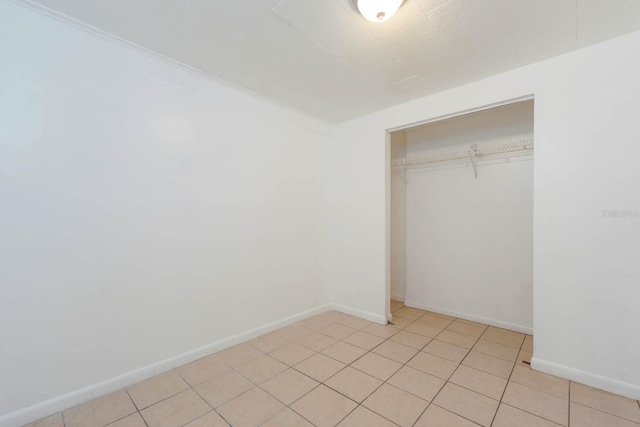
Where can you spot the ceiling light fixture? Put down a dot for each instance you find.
(378, 10)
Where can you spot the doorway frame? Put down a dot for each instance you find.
(387, 293)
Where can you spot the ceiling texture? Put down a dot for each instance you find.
(322, 57)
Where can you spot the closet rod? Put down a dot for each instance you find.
(473, 153)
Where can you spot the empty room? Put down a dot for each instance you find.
(319, 213)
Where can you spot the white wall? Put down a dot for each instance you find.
(585, 265)
(398, 204)
(146, 212)
(469, 241)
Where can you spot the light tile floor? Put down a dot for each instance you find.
(333, 369)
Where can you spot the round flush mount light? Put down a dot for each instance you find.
(378, 10)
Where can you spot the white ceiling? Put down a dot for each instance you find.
(322, 57)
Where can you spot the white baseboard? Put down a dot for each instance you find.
(359, 313)
(60, 403)
(487, 321)
(622, 388)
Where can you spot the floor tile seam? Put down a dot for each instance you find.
(224, 419)
(513, 368)
(455, 345)
(569, 404)
(345, 417)
(139, 409)
(473, 323)
(443, 357)
(379, 414)
(468, 350)
(253, 382)
(463, 333)
(383, 381)
(281, 411)
(338, 360)
(519, 348)
(255, 385)
(482, 338)
(537, 389)
(309, 357)
(126, 416)
(350, 398)
(437, 393)
(123, 417)
(398, 370)
(406, 318)
(223, 403)
(423, 412)
(197, 418)
(537, 415)
(332, 375)
(347, 326)
(461, 416)
(530, 413)
(408, 392)
(426, 323)
(135, 405)
(230, 368)
(290, 406)
(595, 388)
(499, 343)
(475, 391)
(483, 370)
(505, 331)
(415, 348)
(261, 351)
(298, 398)
(599, 410)
(515, 361)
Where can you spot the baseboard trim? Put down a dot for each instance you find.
(359, 313)
(471, 317)
(60, 403)
(611, 385)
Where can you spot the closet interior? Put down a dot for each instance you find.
(462, 216)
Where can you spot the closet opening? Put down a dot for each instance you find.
(461, 217)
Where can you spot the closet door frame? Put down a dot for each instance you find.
(388, 180)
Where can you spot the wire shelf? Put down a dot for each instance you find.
(473, 154)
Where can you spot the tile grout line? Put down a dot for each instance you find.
(300, 372)
(508, 380)
(447, 380)
(569, 406)
(135, 405)
(206, 401)
(368, 351)
(358, 404)
(431, 339)
(479, 338)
